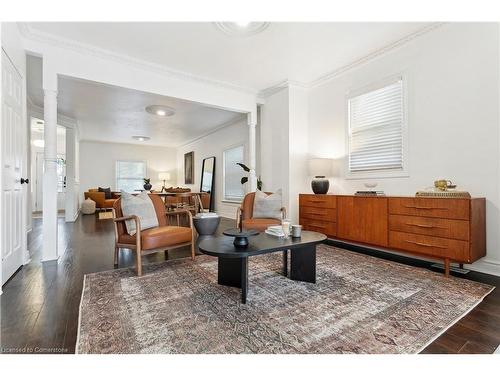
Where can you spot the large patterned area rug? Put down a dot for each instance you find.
(359, 304)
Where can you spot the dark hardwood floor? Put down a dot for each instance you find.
(40, 303)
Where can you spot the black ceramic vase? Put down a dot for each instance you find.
(320, 185)
(147, 186)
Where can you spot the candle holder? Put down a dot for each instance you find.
(240, 236)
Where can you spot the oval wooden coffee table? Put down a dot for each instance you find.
(233, 261)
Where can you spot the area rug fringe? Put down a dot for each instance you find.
(455, 321)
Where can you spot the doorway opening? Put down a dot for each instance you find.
(37, 167)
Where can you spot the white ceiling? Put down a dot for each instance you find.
(300, 52)
(114, 114)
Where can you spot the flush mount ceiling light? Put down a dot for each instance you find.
(160, 110)
(241, 28)
(141, 138)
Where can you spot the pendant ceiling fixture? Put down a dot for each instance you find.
(241, 28)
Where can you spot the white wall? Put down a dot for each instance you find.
(72, 202)
(97, 165)
(453, 99)
(298, 148)
(214, 145)
(274, 139)
(284, 145)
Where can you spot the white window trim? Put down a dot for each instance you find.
(405, 172)
(128, 161)
(224, 200)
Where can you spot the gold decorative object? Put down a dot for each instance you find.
(441, 189)
(443, 194)
(444, 185)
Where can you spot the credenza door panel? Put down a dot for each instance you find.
(362, 219)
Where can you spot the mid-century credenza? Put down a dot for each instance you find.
(450, 229)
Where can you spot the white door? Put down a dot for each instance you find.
(12, 163)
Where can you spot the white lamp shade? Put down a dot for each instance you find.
(164, 176)
(320, 167)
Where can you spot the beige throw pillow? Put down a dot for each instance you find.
(141, 206)
(267, 206)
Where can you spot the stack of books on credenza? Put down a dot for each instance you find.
(370, 193)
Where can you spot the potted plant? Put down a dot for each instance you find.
(245, 179)
(147, 185)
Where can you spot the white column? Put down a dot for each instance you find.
(50, 176)
(252, 123)
(70, 207)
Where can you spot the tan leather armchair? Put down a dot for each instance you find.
(164, 237)
(100, 198)
(244, 215)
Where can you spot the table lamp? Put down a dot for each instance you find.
(164, 176)
(321, 169)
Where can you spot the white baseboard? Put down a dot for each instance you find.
(26, 261)
(50, 260)
(489, 266)
(74, 218)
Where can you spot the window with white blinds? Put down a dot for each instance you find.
(130, 175)
(376, 129)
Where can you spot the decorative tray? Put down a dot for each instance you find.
(443, 194)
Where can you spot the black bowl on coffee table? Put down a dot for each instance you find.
(240, 236)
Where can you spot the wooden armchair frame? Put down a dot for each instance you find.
(137, 247)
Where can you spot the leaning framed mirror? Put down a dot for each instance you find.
(207, 187)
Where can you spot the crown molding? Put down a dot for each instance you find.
(219, 127)
(375, 54)
(46, 38)
(271, 90)
(38, 36)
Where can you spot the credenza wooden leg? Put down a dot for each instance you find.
(447, 267)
